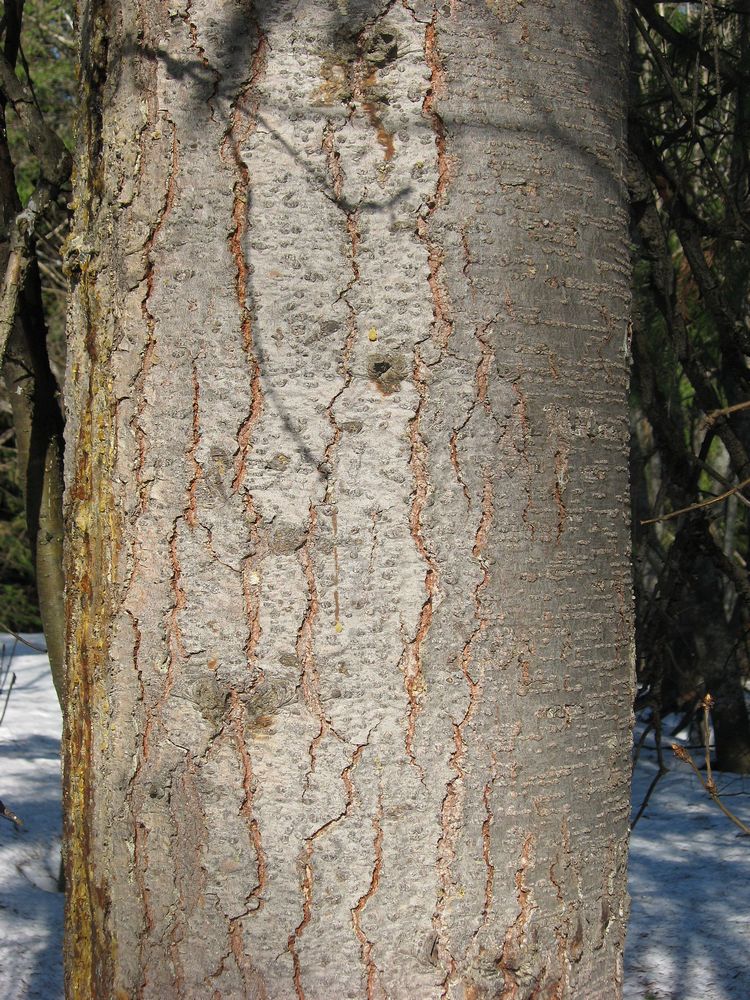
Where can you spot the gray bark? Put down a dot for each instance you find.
(349, 653)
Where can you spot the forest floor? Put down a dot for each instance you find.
(689, 936)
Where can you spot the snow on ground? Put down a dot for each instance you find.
(689, 935)
(31, 909)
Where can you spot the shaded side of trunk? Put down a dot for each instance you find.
(349, 648)
(33, 394)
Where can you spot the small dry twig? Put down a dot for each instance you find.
(708, 782)
(697, 506)
(714, 415)
(20, 638)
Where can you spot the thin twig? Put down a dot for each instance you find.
(715, 414)
(707, 703)
(710, 786)
(697, 506)
(21, 639)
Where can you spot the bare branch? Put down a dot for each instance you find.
(698, 506)
(54, 159)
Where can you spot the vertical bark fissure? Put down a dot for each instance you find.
(452, 806)
(366, 945)
(147, 359)
(509, 960)
(307, 889)
(453, 445)
(522, 450)
(327, 467)
(254, 901)
(196, 467)
(309, 682)
(481, 379)
(562, 454)
(241, 195)
(443, 320)
(411, 660)
(205, 62)
(251, 593)
(489, 819)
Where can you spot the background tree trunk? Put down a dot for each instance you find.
(349, 654)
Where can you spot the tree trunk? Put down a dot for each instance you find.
(349, 653)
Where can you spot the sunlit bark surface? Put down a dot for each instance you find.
(349, 652)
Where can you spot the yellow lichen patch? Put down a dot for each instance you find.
(373, 334)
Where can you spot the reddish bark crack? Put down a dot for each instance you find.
(561, 481)
(487, 842)
(307, 880)
(304, 647)
(328, 462)
(251, 590)
(480, 541)
(254, 901)
(231, 142)
(437, 87)
(511, 957)
(139, 383)
(333, 160)
(176, 648)
(457, 467)
(451, 810)
(251, 978)
(443, 320)
(481, 377)
(523, 452)
(442, 310)
(366, 945)
(153, 720)
(307, 886)
(205, 62)
(191, 508)
(411, 658)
